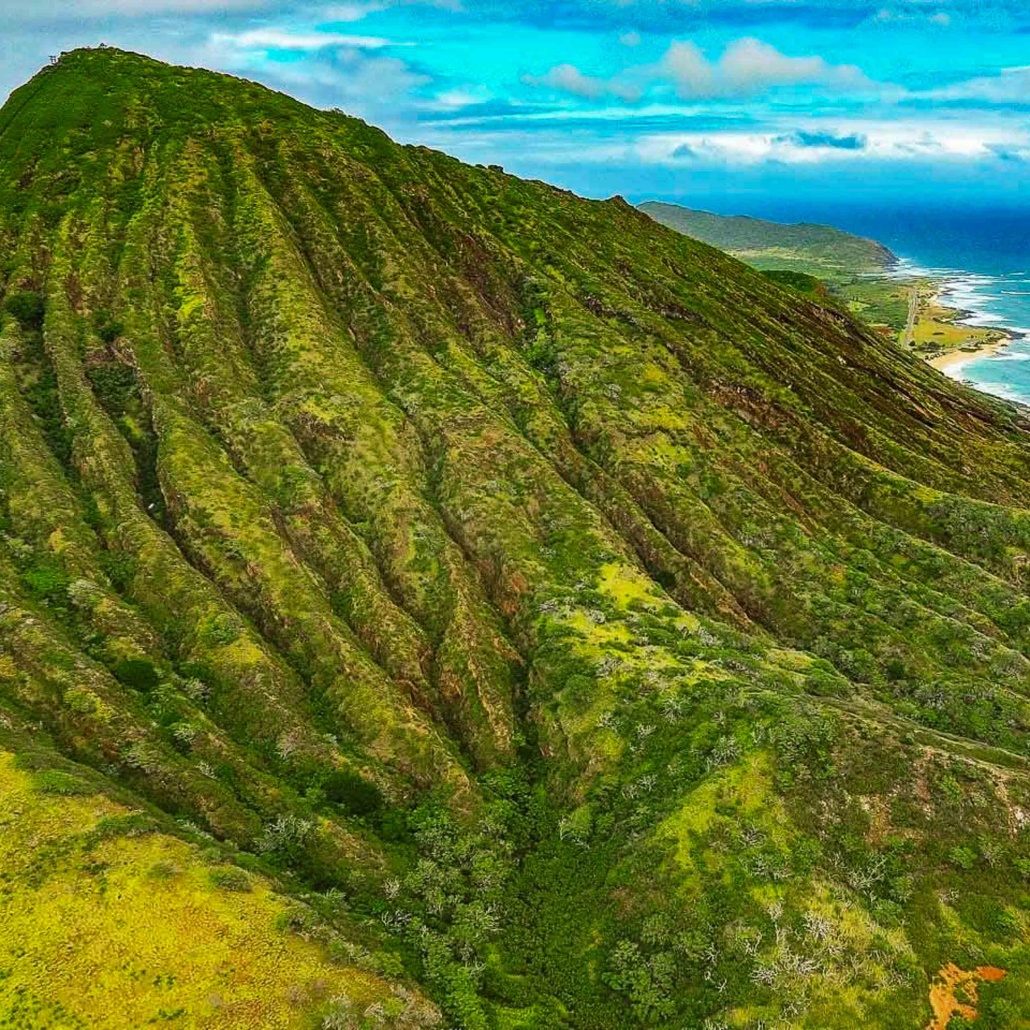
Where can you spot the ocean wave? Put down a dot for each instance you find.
(984, 302)
(978, 316)
(1002, 390)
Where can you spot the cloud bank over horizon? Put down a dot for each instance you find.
(640, 97)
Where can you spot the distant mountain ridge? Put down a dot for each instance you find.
(801, 246)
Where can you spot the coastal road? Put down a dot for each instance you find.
(913, 310)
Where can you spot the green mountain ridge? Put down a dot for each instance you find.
(820, 250)
(484, 606)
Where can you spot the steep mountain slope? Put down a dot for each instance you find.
(588, 628)
(819, 250)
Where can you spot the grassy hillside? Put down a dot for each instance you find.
(818, 250)
(553, 616)
(110, 922)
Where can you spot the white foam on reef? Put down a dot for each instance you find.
(1002, 390)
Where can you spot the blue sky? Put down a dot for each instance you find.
(716, 102)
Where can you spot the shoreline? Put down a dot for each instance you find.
(950, 361)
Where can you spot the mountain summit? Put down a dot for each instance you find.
(429, 597)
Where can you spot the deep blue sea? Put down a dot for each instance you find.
(982, 252)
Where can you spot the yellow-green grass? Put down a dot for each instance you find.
(877, 301)
(933, 330)
(885, 302)
(121, 932)
(744, 787)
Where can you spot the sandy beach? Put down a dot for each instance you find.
(952, 360)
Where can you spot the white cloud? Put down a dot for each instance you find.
(881, 142)
(355, 10)
(1012, 85)
(749, 66)
(885, 143)
(685, 64)
(567, 78)
(891, 15)
(746, 67)
(630, 39)
(70, 10)
(359, 83)
(349, 12)
(284, 39)
(326, 69)
(62, 10)
(455, 99)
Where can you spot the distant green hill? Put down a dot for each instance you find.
(802, 247)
